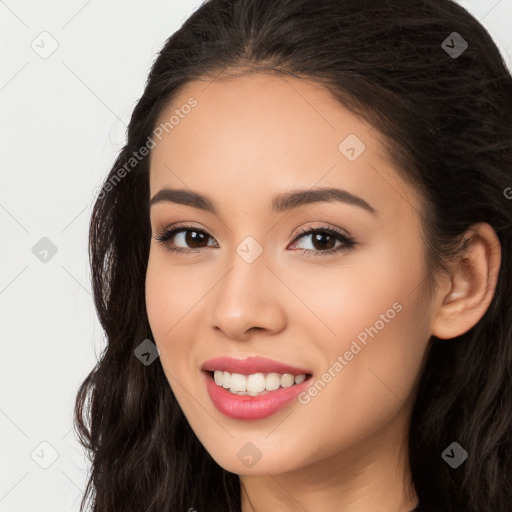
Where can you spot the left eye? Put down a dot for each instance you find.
(323, 240)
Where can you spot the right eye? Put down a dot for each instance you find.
(184, 235)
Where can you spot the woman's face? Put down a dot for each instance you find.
(353, 316)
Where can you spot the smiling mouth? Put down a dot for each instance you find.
(255, 384)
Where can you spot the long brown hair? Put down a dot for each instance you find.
(446, 113)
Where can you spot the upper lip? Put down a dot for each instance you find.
(250, 365)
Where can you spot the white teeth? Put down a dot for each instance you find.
(287, 380)
(299, 379)
(273, 381)
(256, 383)
(225, 378)
(238, 382)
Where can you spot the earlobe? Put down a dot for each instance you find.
(473, 281)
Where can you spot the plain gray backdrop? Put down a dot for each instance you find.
(71, 74)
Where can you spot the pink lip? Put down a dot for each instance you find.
(246, 407)
(249, 365)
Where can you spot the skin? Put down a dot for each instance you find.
(248, 139)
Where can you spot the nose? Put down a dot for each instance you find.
(249, 299)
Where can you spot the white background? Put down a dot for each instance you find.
(63, 122)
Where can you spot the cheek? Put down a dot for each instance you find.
(170, 295)
(175, 295)
(382, 328)
(373, 315)
(164, 306)
(344, 298)
(157, 301)
(167, 303)
(370, 363)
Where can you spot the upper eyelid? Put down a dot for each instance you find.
(324, 227)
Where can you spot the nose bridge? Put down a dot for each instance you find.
(246, 297)
(245, 282)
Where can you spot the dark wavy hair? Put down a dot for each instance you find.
(447, 123)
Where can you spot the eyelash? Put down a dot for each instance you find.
(347, 241)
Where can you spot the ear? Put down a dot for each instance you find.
(471, 284)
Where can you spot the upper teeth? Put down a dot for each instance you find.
(256, 382)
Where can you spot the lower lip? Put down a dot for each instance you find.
(246, 407)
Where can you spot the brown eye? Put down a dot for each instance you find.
(183, 238)
(194, 238)
(323, 241)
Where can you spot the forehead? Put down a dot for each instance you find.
(262, 134)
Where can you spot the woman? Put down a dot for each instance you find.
(302, 262)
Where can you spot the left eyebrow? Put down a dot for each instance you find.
(296, 198)
(280, 203)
